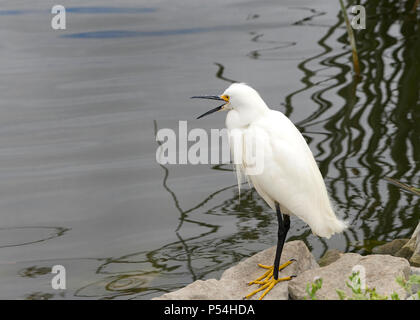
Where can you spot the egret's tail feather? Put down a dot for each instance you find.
(329, 227)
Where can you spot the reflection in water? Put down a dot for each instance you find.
(372, 134)
(220, 72)
(20, 233)
(190, 258)
(304, 21)
(375, 130)
(196, 256)
(39, 296)
(34, 271)
(270, 53)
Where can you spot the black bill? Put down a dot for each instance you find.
(210, 98)
(212, 111)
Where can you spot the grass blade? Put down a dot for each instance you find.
(351, 39)
(416, 191)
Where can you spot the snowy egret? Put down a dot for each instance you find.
(290, 181)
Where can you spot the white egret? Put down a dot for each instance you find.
(289, 181)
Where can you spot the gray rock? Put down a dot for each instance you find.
(415, 288)
(211, 289)
(380, 270)
(391, 247)
(416, 233)
(413, 297)
(414, 270)
(407, 250)
(411, 250)
(249, 270)
(415, 258)
(329, 257)
(233, 283)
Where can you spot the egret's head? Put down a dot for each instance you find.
(237, 96)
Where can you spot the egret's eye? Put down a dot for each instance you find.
(225, 97)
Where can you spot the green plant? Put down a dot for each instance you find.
(408, 284)
(312, 288)
(404, 186)
(358, 293)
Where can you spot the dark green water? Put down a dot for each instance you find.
(79, 110)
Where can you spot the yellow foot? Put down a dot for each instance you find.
(267, 281)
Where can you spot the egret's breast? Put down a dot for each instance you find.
(233, 120)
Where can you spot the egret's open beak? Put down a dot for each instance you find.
(222, 98)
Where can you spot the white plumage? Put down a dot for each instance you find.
(270, 151)
(290, 175)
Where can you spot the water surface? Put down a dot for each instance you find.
(79, 109)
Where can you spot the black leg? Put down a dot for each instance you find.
(284, 226)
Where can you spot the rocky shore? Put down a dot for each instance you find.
(399, 258)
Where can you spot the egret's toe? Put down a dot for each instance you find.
(267, 281)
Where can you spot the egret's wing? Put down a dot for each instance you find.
(291, 176)
(237, 147)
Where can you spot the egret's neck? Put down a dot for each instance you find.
(243, 116)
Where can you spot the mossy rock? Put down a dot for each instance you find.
(415, 258)
(411, 250)
(391, 247)
(329, 257)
